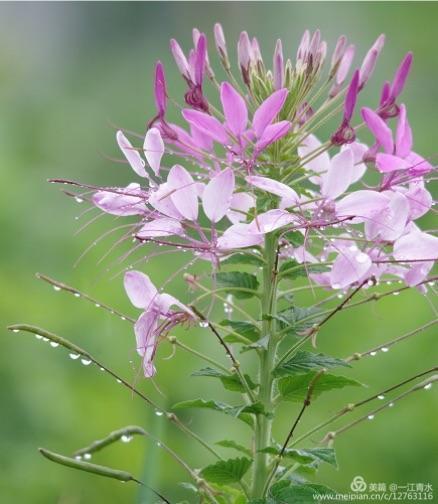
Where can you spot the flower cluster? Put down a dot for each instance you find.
(258, 167)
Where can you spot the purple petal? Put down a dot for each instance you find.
(160, 89)
(119, 201)
(319, 164)
(180, 59)
(403, 136)
(361, 205)
(272, 133)
(132, 156)
(239, 206)
(141, 291)
(351, 96)
(418, 165)
(235, 111)
(401, 75)
(288, 195)
(278, 66)
(387, 163)
(201, 55)
(216, 198)
(161, 201)
(390, 223)
(339, 176)
(219, 39)
(163, 226)
(207, 124)
(239, 236)
(271, 220)
(379, 129)
(419, 198)
(153, 149)
(369, 62)
(268, 110)
(416, 245)
(146, 334)
(184, 193)
(349, 267)
(345, 64)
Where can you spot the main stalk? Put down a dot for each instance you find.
(267, 361)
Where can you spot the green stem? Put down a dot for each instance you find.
(267, 361)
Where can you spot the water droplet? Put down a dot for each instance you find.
(97, 305)
(370, 417)
(78, 199)
(78, 457)
(38, 336)
(428, 386)
(385, 349)
(159, 413)
(56, 288)
(102, 369)
(373, 354)
(381, 397)
(87, 456)
(54, 344)
(118, 381)
(77, 294)
(16, 330)
(86, 362)
(74, 356)
(362, 258)
(45, 339)
(159, 444)
(123, 318)
(353, 248)
(336, 286)
(390, 405)
(125, 438)
(396, 293)
(203, 324)
(370, 283)
(340, 296)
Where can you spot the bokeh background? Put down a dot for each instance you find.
(70, 73)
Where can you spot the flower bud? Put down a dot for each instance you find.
(278, 67)
(180, 59)
(244, 56)
(221, 46)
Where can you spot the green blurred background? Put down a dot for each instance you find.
(68, 73)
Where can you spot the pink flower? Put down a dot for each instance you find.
(157, 318)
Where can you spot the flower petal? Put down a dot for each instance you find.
(272, 133)
(216, 198)
(379, 129)
(349, 267)
(403, 136)
(131, 155)
(239, 236)
(141, 291)
(339, 176)
(386, 163)
(288, 195)
(415, 246)
(184, 192)
(320, 164)
(268, 110)
(147, 339)
(207, 124)
(153, 149)
(270, 221)
(239, 206)
(163, 226)
(235, 111)
(161, 201)
(361, 205)
(390, 223)
(120, 201)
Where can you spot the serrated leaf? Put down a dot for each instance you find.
(296, 320)
(228, 471)
(304, 361)
(286, 493)
(242, 412)
(294, 388)
(294, 237)
(261, 344)
(228, 443)
(241, 284)
(292, 269)
(246, 329)
(305, 456)
(229, 381)
(242, 258)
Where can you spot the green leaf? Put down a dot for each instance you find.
(228, 471)
(246, 329)
(229, 381)
(297, 319)
(242, 285)
(286, 493)
(261, 344)
(304, 361)
(294, 388)
(305, 456)
(292, 269)
(241, 412)
(295, 238)
(242, 258)
(228, 443)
